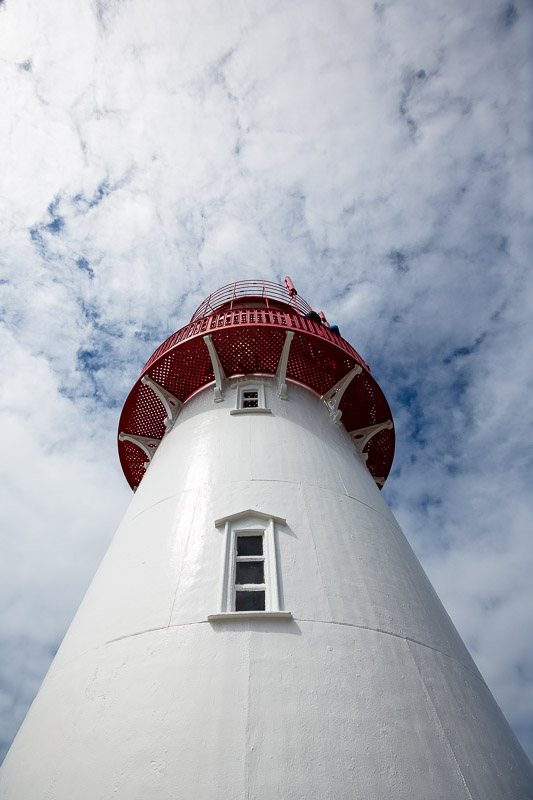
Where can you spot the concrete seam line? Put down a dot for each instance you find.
(396, 636)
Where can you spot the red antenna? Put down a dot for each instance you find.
(290, 286)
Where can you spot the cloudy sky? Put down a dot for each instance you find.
(377, 152)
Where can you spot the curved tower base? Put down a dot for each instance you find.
(352, 683)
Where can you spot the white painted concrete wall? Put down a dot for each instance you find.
(368, 692)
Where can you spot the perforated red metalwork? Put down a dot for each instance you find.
(250, 340)
(285, 319)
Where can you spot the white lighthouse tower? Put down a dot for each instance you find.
(260, 628)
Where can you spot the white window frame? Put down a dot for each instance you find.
(261, 402)
(250, 523)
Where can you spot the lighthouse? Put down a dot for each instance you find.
(259, 628)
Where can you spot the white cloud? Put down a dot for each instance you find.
(378, 154)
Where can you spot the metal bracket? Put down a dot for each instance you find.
(170, 403)
(281, 371)
(218, 369)
(362, 436)
(333, 396)
(146, 444)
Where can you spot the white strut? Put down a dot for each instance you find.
(218, 369)
(170, 403)
(146, 444)
(362, 436)
(333, 396)
(281, 372)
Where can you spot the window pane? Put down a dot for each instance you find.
(249, 545)
(250, 398)
(249, 601)
(250, 572)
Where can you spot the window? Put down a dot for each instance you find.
(250, 579)
(251, 399)
(249, 573)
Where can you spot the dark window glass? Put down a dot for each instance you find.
(250, 572)
(249, 601)
(250, 399)
(249, 545)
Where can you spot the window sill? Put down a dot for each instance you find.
(235, 411)
(249, 615)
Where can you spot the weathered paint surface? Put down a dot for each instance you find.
(367, 692)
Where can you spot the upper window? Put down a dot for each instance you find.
(251, 398)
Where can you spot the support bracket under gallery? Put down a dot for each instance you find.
(332, 398)
(362, 436)
(218, 369)
(145, 443)
(170, 403)
(281, 371)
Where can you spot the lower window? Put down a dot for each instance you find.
(249, 581)
(249, 571)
